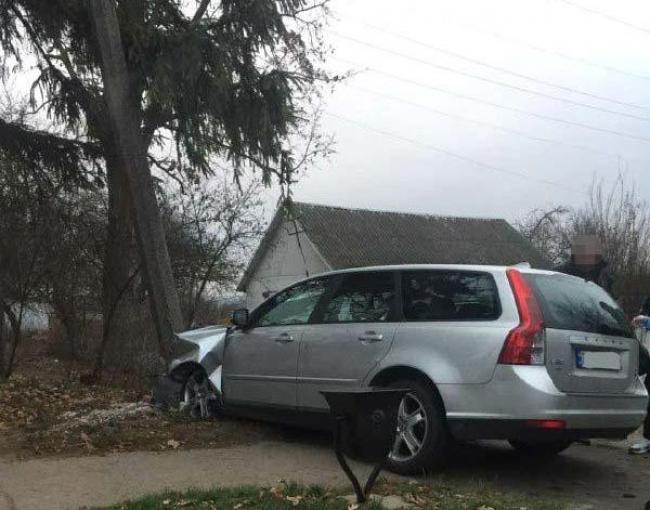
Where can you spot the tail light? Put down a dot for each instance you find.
(546, 424)
(524, 344)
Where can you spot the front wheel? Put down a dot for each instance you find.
(421, 439)
(198, 399)
(541, 448)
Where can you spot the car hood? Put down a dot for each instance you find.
(204, 346)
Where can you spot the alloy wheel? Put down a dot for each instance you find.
(412, 429)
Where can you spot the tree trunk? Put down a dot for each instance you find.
(4, 346)
(8, 346)
(118, 259)
(131, 150)
(64, 306)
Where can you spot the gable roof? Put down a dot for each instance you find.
(359, 237)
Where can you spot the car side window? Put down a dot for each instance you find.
(291, 306)
(361, 297)
(449, 295)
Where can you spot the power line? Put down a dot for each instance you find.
(449, 153)
(515, 41)
(490, 80)
(609, 17)
(497, 105)
(500, 68)
(487, 124)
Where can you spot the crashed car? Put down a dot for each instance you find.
(538, 358)
(193, 381)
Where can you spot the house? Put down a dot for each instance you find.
(306, 239)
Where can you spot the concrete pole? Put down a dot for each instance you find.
(125, 126)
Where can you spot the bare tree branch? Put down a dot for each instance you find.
(200, 11)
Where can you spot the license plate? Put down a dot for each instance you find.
(598, 360)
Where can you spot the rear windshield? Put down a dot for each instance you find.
(575, 304)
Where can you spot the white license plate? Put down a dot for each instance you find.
(598, 360)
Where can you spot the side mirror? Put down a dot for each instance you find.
(240, 317)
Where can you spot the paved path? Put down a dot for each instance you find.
(604, 477)
(74, 482)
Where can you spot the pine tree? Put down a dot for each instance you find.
(207, 79)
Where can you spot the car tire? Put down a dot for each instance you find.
(540, 448)
(198, 398)
(430, 433)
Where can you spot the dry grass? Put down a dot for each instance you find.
(46, 410)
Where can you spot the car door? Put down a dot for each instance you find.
(261, 360)
(350, 332)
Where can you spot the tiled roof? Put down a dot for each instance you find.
(358, 237)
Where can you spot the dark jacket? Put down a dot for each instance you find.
(598, 274)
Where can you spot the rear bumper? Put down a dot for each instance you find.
(502, 408)
(467, 430)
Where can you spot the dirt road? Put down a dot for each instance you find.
(604, 477)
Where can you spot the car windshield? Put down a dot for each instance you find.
(574, 304)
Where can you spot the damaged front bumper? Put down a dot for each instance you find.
(197, 349)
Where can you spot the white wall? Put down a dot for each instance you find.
(284, 264)
(36, 317)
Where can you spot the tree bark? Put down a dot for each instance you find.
(109, 325)
(63, 301)
(4, 346)
(118, 255)
(132, 152)
(8, 347)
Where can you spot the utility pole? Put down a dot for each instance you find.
(125, 127)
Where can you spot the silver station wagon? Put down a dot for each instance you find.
(538, 358)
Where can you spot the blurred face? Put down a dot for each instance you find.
(586, 251)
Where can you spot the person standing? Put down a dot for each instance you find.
(588, 262)
(642, 328)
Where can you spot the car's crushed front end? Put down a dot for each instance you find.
(196, 361)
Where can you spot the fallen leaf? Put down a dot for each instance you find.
(353, 506)
(238, 506)
(483, 507)
(416, 500)
(276, 492)
(172, 443)
(295, 500)
(167, 501)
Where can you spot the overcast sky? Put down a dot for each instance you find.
(401, 122)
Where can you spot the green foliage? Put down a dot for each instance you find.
(431, 496)
(226, 81)
(68, 159)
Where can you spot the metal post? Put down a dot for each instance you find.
(361, 497)
(362, 494)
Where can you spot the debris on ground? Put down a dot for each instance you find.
(46, 409)
(116, 412)
(288, 496)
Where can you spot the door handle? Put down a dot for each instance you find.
(283, 338)
(371, 336)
